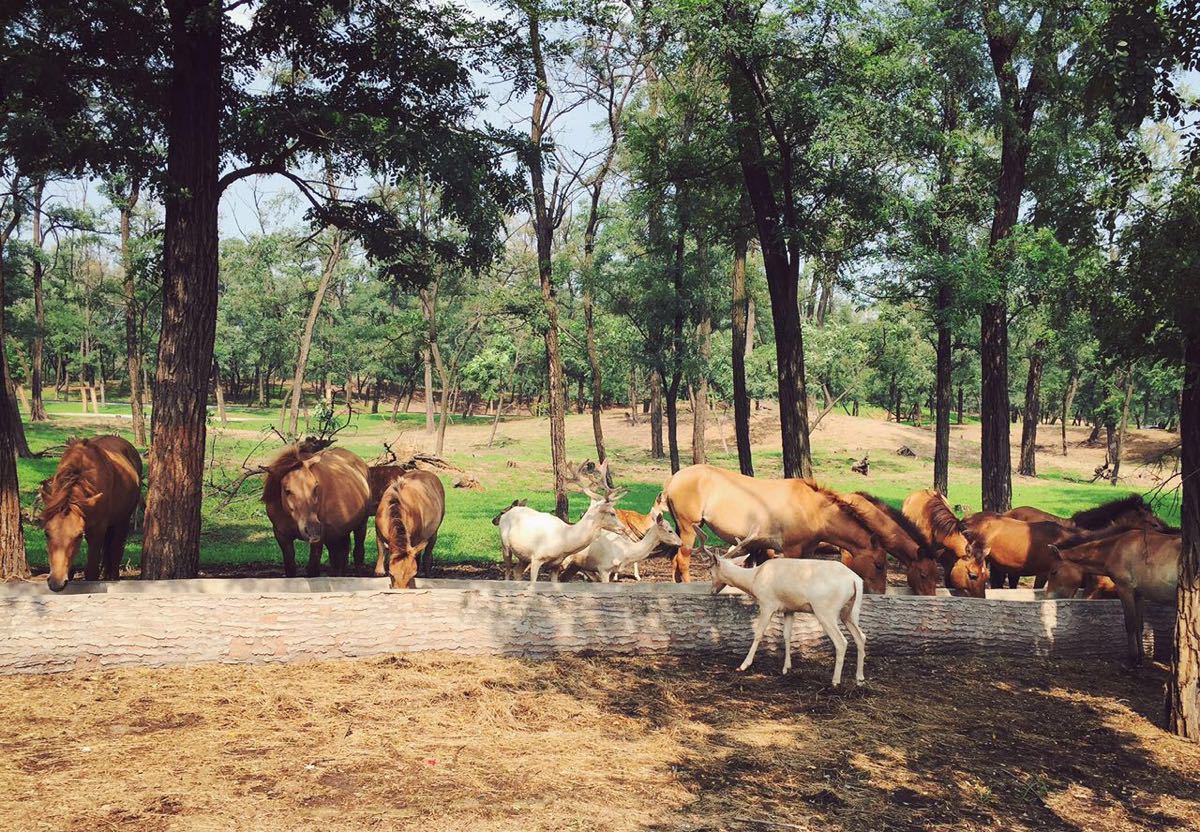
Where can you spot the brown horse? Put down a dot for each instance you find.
(797, 513)
(93, 494)
(379, 477)
(1127, 512)
(406, 526)
(964, 555)
(1065, 579)
(902, 539)
(1144, 565)
(320, 498)
(1016, 548)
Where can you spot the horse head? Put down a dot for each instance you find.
(301, 495)
(64, 524)
(923, 576)
(969, 575)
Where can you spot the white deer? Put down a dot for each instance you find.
(609, 553)
(829, 590)
(541, 539)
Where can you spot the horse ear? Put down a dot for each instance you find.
(1056, 551)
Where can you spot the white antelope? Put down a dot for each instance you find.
(829, 590)
(539, 539)
(609, 553)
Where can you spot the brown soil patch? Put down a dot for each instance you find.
(440, 742)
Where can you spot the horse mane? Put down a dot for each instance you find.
(291, 458)
(398, 537)
(1105, 513)
(910, 528)
(61, 489)
(1091, 536)
(847, 508)
(943, 522)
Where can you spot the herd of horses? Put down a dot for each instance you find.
(325, 497)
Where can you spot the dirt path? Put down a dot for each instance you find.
(439, 742)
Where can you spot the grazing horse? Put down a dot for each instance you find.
(902, 539)
(406, 526)
(799, 514)
(320, 498)
(1065, 579)
(1144, 565)
(379, 477)
(93, 494)
(1127, 512)
(1016, 548)
(964, 555)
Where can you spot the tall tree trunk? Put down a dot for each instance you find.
(133, 352)
(1122, 427)
(677, 349)
(512, 377)
(593, 355)
(37, 407)
(1183, 686)
(427, 360)
(1033, 411)
(13, 565)
(310, 324)
(656, 415)
(544, 223)
(943, 386)
(1067, 401)
(781, 263)
(171, 544)
(633, 395)
(219, 391)
(700, 391)
(741, 344)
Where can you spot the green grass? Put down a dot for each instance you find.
(239, 533)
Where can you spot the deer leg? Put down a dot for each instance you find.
(788, 619)
(760, 626)
(829, 624)
(860, 642)
(535, 566)
(637, 576)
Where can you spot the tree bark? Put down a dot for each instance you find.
(943, 387)
(544, 224)
(13, 565)
(1183, 686)
(171, 547)
(741, 347)
(677, 348)
(512, 377)
(310, 324)
(219, 392)
(133, 352)
(700, 391)
(1033, 410)
(656, 415)
(1067, 401)
(777, 227)
(1122, 427)
(37, 407)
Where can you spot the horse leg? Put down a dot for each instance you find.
(1133, 637)
(114, 550)
(1039, 581)
(288, 547)
(339, 556)
(830, 625)
(427, 557)
(360, 540)
(95, 543)
(760, 626)
(996, 577)
(314, 560)
(788, 618)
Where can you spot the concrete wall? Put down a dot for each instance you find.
(276, 620)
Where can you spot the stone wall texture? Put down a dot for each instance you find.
(280, 620)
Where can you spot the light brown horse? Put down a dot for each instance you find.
(964, 555)
(901, 538)
(320, 498)
(1130, 512)
(406, 526)
(93, 494)
(379, 477)
(798, 513)
(1066, 579)
(1144, 566)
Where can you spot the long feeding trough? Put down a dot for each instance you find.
(155, 623)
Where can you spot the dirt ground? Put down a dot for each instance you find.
(439, 742)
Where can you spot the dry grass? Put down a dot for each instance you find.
(442, 742)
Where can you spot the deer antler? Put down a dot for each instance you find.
(596, 485)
